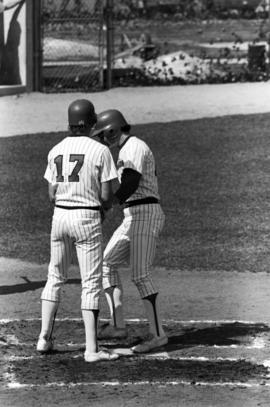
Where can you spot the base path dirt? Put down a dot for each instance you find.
(200, 295)
(40, 112)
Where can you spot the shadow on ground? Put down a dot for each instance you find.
(29, 286)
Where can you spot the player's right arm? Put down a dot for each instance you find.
(109, 180)
(52, 191)
(106, 195)
(50, 178)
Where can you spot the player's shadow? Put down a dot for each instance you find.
(182, 338)
(222, 335)
(29, 286)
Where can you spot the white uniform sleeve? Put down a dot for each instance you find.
(133, 157)
(108, 170)
(50, 173)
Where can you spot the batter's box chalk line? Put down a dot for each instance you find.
(165, 322)
(149, 356)
(10, 379)
(143, 320)
(16, 385)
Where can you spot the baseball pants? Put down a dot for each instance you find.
(82, 228)
(134, 242)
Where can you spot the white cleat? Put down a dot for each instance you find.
(152, 344)
(44, 345)
(102, 355)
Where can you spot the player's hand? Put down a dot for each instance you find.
(104, 212)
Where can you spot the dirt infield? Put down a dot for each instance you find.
(38, 112)
(207, 295)
(218, 323)
(217, 355)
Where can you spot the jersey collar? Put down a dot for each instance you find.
(124, 142)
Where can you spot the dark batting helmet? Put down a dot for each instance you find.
(109, 123)
(81, 112)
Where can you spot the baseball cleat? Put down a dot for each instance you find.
(44, 345)
(100, 356)
(152, 344)
(108, 331)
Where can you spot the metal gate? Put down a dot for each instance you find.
(72, 45)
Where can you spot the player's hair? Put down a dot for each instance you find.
(78, 130)
(126, 128)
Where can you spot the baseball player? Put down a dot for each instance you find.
(80, 171)
(135, 239)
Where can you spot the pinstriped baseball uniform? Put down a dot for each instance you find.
(134, 241)
(77, 165)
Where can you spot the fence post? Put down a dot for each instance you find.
(33, 24)
(101, 45)
(109, 32)
(37, 24)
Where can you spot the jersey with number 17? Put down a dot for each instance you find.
(78, 165)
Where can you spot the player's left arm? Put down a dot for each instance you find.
(106, 195)
(109, 181)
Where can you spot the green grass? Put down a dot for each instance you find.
(187, 35)
(214, 177)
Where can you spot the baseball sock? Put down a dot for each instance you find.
(152, 310)
(114, 298)
(90, 319)
(48, 314)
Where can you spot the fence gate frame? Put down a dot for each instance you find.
(35, 45)
(34, 48)
(109, 41)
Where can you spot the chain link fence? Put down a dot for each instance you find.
(72, 45)
(95, 44)
(179, 42)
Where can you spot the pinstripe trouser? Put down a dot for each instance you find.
(134, 241)
(81, 227)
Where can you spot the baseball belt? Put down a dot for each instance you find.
(93, 208)
(144, 201)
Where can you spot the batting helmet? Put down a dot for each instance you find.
(81, 112)
(109, 123)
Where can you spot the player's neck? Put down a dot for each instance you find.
(123, 138)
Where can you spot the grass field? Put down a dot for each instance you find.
(214, 185)
(188, 35)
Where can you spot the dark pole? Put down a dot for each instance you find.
(37, 44)
(109, 33)
(2, 36)
(34, 46)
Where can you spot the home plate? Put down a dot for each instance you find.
(124, 351)
(129, 352)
